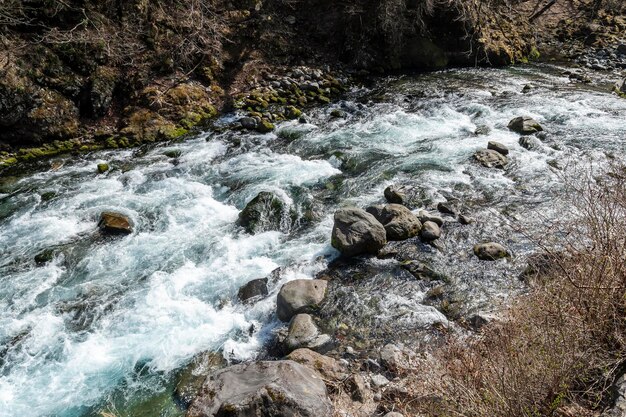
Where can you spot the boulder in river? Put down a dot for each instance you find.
(254, 289)
(303, 333)
(395, 194)
(300, 296)
(270, 389)
(529, 142)
(357, 232)
(490, 251)
(102, 168)
(425, 216)
(114, 223)
(490, 158)
(399, 222)
(190, 379)
(430, 231)
(264, 212)
(620, 87)
(498, 147)
(525, 125)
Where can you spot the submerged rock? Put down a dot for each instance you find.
(529, 142)
(399, 222)
(525, 125)
(114, 223)
(303, 333)
(264, 212)
(44, 257)
(300, 296)
(490, 251)
(490, 158)
(498, 147)
(270, 389)
(253, 289)
(357, 232)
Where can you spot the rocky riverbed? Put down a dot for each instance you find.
(220, 256)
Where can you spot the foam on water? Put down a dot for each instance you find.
(105, 311)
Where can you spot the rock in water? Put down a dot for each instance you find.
(102, 168)
(357, 232)
(430, 231)
(269, 389)
(395, 195)
(299, 296)
(303, 333)
(525, 125)
(529, 142)
(490, 158)
(620, 87)
(498, 147)
(114, 223)
(253, 289)
(399, 222)
(425, 216)
(490, 251)
(264, 212)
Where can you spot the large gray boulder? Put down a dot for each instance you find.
(525, 125)
(254, 289)
(267, 389)
(399, 222)
(490, 158)
(430, 231)
(303, 333)
(300, 296)
(357, 232)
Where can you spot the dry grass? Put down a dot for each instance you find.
(558, 349)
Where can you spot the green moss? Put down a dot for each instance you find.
(8, 161)
(265, 126)
(102, 168)
(111, 143)
(534, 54)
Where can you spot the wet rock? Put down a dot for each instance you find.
(254, 289)
(482, 130)
(303, 333)
(465, 220)
(264, 126)
(328, 367)
(525, 125)
(580, 78)
(292, 112)
(528, 88)
(430, 231)
(422, 271)
(300, 296)
(44, 257)
(173, 153)
(272, 389)
(530, 143)
(114, 223)
(490, 158)
(447, 207)
(490, 251)
(424, 217)
(399, 222)
(190, 379)
(248, 123)
(357, 232)
(498, 147)
(102, 168)
(264, 212)
(338, 114)
(395, 195)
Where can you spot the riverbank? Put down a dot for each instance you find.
(73, 85)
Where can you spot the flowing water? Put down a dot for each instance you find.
(108, 321)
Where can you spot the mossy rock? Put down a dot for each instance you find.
(173, 153)
(265, 126)
(102, 168)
